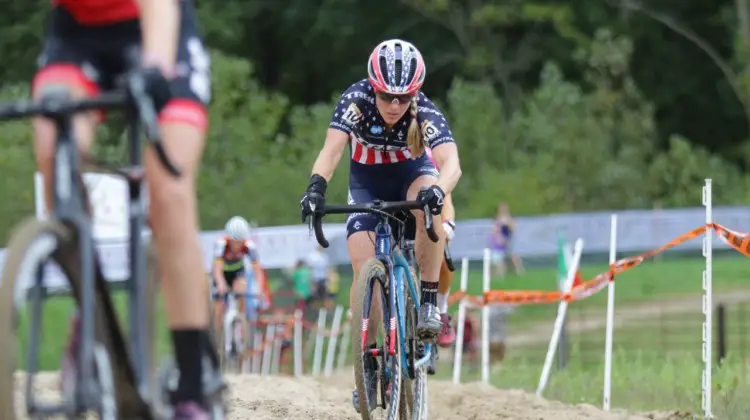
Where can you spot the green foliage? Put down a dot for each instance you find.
(552, 105)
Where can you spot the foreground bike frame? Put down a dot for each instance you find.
(114, 374)
(400, 352)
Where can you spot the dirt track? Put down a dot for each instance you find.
(625, 315)
(263, 398)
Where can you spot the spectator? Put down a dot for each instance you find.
(502, 240)
(301, 282)
(320, 266)
(498, 333)
(470, 345)
(333, 285)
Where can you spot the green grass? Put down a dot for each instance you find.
(650, 281)
(656, 366)
(640, 382)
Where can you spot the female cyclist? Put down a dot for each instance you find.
(386, 121)
(231, 254)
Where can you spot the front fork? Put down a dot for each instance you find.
(389, 306)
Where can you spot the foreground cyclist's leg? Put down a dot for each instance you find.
(174, 212)
(361, 249)
(175, 226)
(429, 256)
(62, 72)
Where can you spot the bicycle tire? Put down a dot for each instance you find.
(372, 269)
(25, 237)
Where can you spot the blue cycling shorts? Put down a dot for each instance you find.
(387, 182)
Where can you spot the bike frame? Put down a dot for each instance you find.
(394, 310)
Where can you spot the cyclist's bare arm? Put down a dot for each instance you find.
(330, 155)
(446, 156)
(218, 272)
(449, 212)
(160, 22)
(258, 271)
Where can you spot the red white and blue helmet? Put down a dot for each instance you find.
(396, 67)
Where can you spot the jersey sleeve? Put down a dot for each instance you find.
(252, 253)
(433, 123)
(219, 247)
(350, 107)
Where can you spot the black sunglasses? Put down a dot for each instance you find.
(401, 99)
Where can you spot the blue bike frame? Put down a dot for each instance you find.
(394, 310)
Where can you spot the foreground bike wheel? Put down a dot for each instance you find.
(31, 243)
(373, 271)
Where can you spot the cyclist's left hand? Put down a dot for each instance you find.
(449, 228)
(433, 197)
(157, 86)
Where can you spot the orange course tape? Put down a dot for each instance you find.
(738, 240)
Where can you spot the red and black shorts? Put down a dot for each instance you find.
(93, 57)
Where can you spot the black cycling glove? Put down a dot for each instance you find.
(314, 200)
(157, 87)
(433, 197)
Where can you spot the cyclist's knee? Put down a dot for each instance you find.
(71, 81)
(240, 287)
(361, 249)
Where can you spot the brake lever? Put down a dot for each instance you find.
(144, 107)
(429, 224)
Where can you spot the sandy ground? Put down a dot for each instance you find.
(262, 398)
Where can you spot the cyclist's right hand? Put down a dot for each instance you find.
(221, 288)
(314, 199)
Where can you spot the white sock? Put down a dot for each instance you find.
(442, 302)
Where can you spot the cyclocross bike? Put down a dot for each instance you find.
(114, 374)
(398, 351)
(232, 343)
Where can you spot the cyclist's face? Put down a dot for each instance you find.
(235, 245)
(392, 107)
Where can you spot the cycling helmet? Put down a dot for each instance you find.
(238, 229)
(396, 67)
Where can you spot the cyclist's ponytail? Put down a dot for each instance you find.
(414, 138)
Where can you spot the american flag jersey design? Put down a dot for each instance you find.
(371, 142)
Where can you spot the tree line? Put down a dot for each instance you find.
(556, 106)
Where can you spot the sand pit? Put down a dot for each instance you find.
(265, 398)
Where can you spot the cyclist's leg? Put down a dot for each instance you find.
(447, 332)
(240, 289)
(61, 62)
(61, 65)
(429, 254)
(174, 213)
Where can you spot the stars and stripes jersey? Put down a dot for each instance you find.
(235, 261)
(372, 143)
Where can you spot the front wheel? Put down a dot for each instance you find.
(388, 370)
(32, 243)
